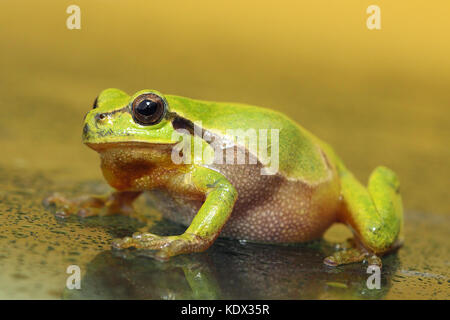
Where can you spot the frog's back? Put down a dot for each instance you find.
(300, 154)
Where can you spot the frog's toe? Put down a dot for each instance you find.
(122, 243)
(55, 199)
(374, 260)
(62, 213)
(86, 212)
(48, 201)
(145, 236)
(63, 207)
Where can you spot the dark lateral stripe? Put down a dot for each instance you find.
(183, 123)
(124, 109)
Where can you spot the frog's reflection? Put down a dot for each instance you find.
(230, 270)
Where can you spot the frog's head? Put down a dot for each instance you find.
(120, 119)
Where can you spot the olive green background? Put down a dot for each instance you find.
(377, 96)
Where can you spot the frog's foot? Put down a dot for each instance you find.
(165, 246)
(83, 206)
(352, 251)
(374, 213)
(352, 255)
(88, 206)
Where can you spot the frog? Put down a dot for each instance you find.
(141, 138)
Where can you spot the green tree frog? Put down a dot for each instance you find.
(307, 191)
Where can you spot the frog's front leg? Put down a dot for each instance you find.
(375, 215)
(86, 206)
(206, 225)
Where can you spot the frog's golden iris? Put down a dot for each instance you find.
(148, 109)
(312, 189)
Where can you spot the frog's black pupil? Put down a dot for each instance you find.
(147, 107)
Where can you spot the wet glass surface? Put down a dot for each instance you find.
(376, 99)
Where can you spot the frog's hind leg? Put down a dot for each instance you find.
(88, 206)
(375, 215)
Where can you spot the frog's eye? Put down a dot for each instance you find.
(148, 109)
(94, 105)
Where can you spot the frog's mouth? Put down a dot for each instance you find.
(101, 140)
(103, 146)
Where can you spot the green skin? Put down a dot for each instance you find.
(374, 213)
